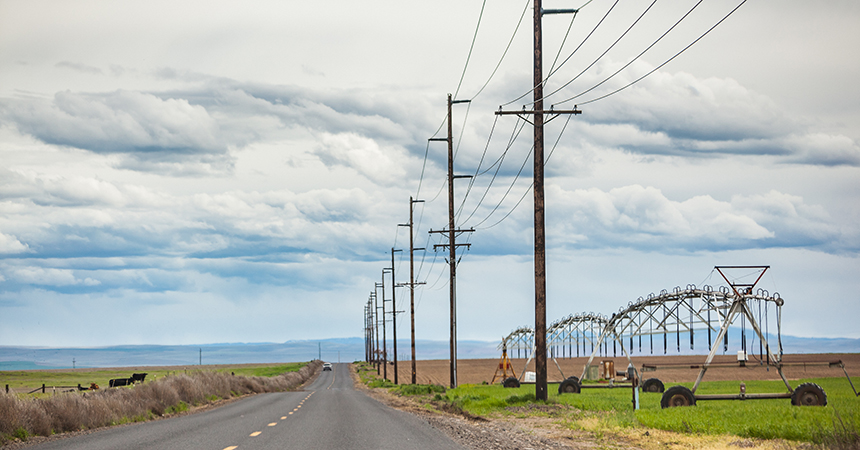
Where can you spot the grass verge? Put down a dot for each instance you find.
(602, 411)
(24, 416)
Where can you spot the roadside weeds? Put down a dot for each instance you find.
(25, 422)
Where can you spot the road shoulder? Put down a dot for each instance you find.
(476, 432)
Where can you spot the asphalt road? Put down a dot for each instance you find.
(328, 414)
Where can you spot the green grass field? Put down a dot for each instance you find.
(34, 379)
(612, 408)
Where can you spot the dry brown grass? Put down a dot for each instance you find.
(23, 417)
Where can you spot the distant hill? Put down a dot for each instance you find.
(344, 350)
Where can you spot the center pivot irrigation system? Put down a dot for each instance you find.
(673, 318)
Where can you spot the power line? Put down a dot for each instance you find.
(604, 52)
(480, 162)
(549, 155)
(516, 177)
(471, 47)
(632, 60)
(570, 55)
(661, 65)
(508, 47)
(514, 135)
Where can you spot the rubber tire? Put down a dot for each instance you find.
(569, 386)
(809, 394)
(575, 378)
(677, 396)
(511, 382)
(653, 385)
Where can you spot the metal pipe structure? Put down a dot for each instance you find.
(682, 311)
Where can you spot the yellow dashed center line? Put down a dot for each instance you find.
(231, 448)
(291, 412)
(256, 433)
(273, 424)
(283, 417)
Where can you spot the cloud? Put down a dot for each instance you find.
(79, 67)
(194, 131)
(681, 115)
(56, 190)
(9, 245)
(147, 130)
(379, 164)
(644, 218)
(48, 277)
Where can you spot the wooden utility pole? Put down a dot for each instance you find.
(366, 334)
(411, 284)
(376, 313)
(394, 310)
(384, 338)
(452, 246)
(539, 217)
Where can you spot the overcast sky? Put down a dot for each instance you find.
(208, 171)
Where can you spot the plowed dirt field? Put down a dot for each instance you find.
(725, 367)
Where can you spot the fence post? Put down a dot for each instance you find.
(43, 388)
(7, 388)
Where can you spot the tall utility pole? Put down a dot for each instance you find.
(370, 315)
(412, 282)
(539, 218)
(368, 324)
(376, 314)
(384, 327)
(394, 310)
(452, 246)
(366, 333)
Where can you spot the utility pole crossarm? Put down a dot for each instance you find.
(551, 111)
(558, 11)
(447, 245)
(524, 114)
(468, 230)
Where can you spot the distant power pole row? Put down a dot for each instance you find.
(373, 352)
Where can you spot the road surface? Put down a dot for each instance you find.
(328, 414)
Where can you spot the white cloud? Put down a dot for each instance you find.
(10, 245)
(381, 165)
(48, 277)
(644, 218)
(679, 114)
(145, 129)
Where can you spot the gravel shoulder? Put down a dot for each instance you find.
(478, 432)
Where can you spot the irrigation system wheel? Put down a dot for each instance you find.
(511, 382)
(653, 385)
(809, 394)
(569, 386)
(677, 396)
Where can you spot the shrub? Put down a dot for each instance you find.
(419, 389)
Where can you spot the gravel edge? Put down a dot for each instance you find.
(476, 433)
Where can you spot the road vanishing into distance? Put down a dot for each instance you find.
(328, 414)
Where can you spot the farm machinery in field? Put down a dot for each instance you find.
(682, 314)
